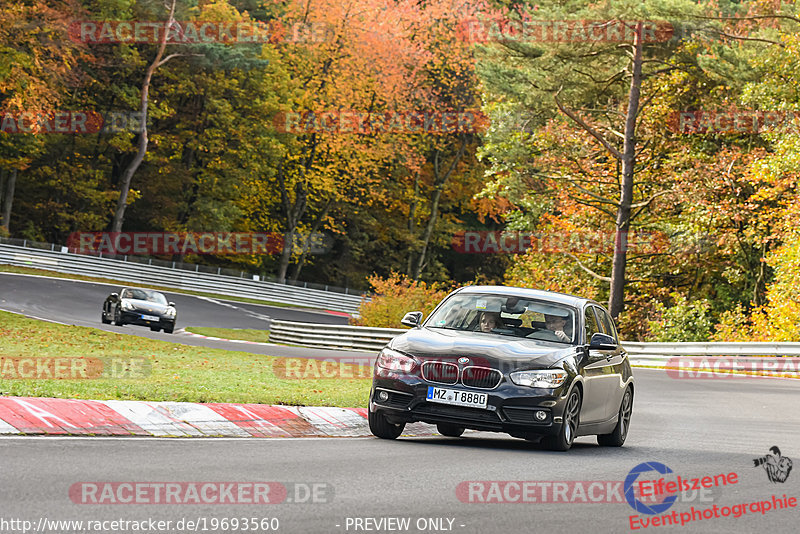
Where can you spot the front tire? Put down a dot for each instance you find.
(118, 317)
(617, 436)
(451, 431)
(169, 329)
(382, 428)
(569, 425)
(155, 328)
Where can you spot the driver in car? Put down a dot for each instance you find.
(489, 321)
(556, 324)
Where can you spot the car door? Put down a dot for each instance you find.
(594, 370)
(616, 360)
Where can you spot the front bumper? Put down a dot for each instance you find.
(510, 408)
(134, 317)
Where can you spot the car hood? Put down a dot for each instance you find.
(485, 349)
(147, 306)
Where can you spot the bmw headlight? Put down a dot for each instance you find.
(126, 305)
(395, 361)
(544, 378)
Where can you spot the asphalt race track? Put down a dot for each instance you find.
(79, 303)
(696, 427)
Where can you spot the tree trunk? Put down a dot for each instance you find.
(429, 230)
(2, 187)
(141, 149)
(440, 180)
(8, 200)
(412, 213)
(301, 261)
(293, 211)
(616, 298)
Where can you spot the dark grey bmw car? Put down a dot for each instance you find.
(537, 365)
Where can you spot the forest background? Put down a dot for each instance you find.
(580, 135)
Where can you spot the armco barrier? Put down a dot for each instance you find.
(332, 336)
(142, 273)
(713, 349)
(641, 354)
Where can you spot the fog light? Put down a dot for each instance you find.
(540, 415)
(383, 396)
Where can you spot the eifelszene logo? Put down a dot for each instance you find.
(777, 467)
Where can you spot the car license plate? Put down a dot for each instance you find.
(150, 318)
(457, 398)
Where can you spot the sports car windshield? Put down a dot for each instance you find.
(506, 316)
(143, 294)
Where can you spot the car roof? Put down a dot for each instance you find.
(552, 296)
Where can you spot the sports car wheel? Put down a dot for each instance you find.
(617, 436)
(118, 317)
(382, 428)
(451, 431)
(569, 426)
(169, 329)
(155, 328)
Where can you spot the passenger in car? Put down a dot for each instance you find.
(556, 324)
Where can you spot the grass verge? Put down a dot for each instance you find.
(243, 334)
(172, 372)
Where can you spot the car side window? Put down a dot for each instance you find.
(606, 323)
(591, 324)
(125, 294)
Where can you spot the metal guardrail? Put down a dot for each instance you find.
(144, 273)
(713, 349)
(641, 354)
(332, 336)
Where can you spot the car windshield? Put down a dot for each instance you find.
(143, 294)
(506, 316)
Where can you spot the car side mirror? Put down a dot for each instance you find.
(171, 304)
(602, 342)
(412, 319)
(114, 296)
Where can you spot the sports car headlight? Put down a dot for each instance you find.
(170, 312)
(395, 361)
(545, 378)
(126, 305)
